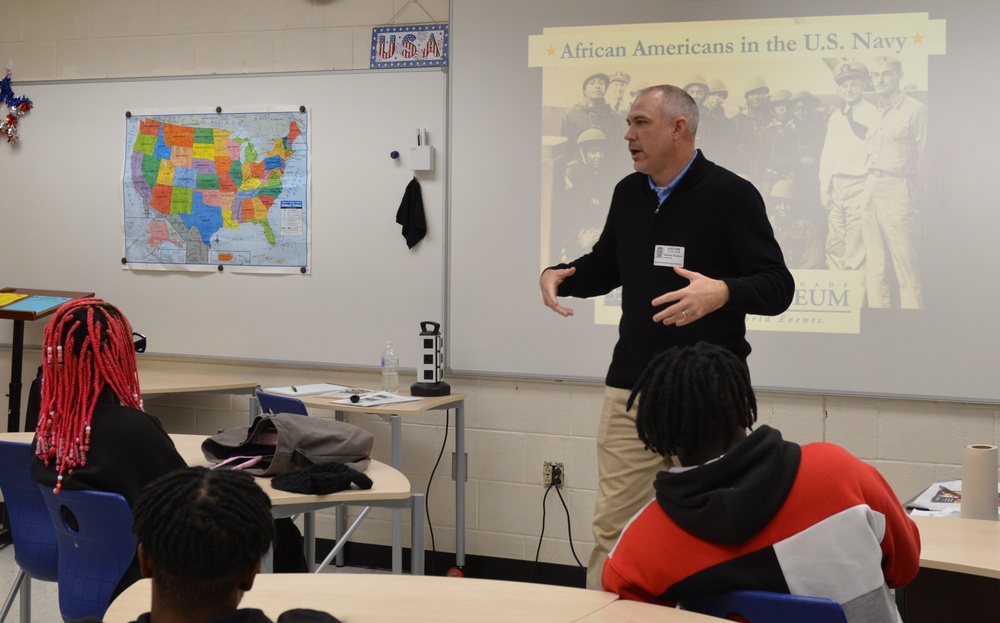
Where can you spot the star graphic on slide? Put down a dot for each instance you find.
(918, 38)
(551, 50)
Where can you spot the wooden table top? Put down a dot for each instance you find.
(962, 545)
(389, 483)
(8, 314)
(415, 407)
(626, 611)
(156, 382)
(370, 598)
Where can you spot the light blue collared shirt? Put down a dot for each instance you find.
(663, 193)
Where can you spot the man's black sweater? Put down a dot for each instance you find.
(719, 220)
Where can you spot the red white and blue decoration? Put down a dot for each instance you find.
(420, 45)
(17, 107)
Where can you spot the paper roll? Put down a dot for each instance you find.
(979, 482)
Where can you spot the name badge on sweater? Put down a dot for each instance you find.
(665, 255)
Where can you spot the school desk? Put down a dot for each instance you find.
(380, 598)
(394, 414)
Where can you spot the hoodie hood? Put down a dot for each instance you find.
(729, 500)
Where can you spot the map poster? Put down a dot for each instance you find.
(207, 191)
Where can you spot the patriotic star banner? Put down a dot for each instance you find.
(412, 45)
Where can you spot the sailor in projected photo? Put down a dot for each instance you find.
(810, 127)
(752, 118)
(697, 88)
(580, 213)
(634, 88)
(779, 155)
(593, 111)
(617, 87)
(793, 226)
(843, 169)
(892, 212)
(716, 131)
(809, 123)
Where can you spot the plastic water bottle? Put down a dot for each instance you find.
(390, 369)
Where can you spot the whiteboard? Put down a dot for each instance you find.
(500, 112)
(62, 217)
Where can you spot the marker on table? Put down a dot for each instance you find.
(294, 390)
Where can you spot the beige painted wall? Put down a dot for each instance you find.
(512, 426)
(67, 39)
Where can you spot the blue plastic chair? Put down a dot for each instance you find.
(766, 607)
(34, 538)
(96, 547)
(273, 403)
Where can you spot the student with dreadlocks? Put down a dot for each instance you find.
(753, 511)
(202, 534)
(92, 432)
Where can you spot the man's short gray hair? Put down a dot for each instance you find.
(676, 103)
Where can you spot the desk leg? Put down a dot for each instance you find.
(267, 562)
(309, 535)
(340, 518)
(254, 407)
(416, 533)
(14, 394)
(396, 427)
(13, 408)
(460, 476)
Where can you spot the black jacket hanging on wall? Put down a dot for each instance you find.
(411, 214)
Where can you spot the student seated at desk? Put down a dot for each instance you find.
(92, 432)
(201, 535)
(753, 511)
(93, 410)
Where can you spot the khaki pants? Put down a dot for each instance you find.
(625, 471)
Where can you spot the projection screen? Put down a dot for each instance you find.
(869, 130)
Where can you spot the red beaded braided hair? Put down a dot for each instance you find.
(87, 347)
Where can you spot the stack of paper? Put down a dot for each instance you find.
(370, 398)
(314, 389)
(941, 499)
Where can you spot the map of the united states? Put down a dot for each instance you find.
(202, 189)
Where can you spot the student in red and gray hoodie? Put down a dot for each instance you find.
(751, 510)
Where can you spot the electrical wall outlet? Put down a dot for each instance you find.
(553, 474)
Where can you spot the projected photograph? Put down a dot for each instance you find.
(827, 116)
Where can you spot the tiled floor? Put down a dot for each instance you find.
(45, 597)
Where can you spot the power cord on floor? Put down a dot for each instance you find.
(427, 494)
(569, 530)
(534, 568)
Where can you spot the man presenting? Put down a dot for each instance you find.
(691, 247)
